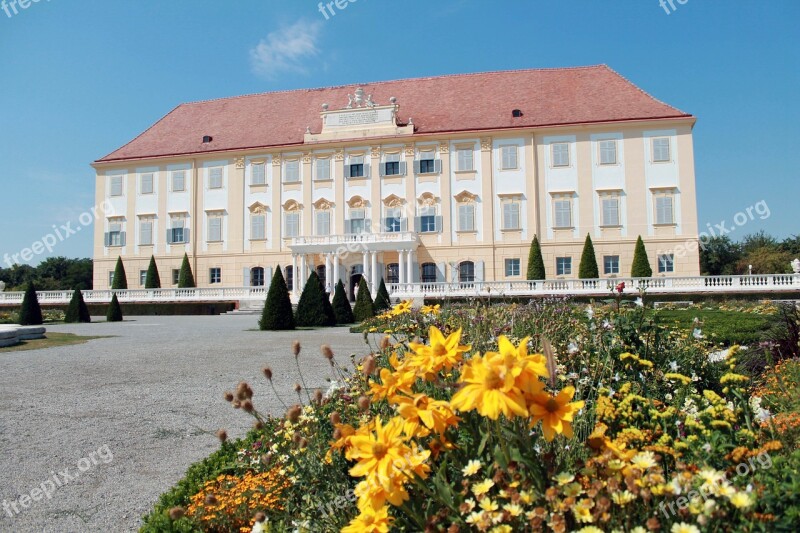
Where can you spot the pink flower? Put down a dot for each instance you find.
(620, 287)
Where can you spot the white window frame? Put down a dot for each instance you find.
(427, 155)
(466, 218)
(662, 216)
(563, 266)
(606, 148)
(606, 221)
(322, 222)
(610, 265)
(216, 177)
(320, 164)
(144, 222)
(658, 151)
(558, 211)
(178, 174)
(116, 227)
(556, 155)
(116, 185)
(214, 226)
(511, 220)
(214, 275)
(506, 157)
(513, 267)
(465, 160)
(291, 224)
(393, 157)
(666, 263)
(260, 177)
(142, 278)
(143, 179)
(291, 171)
(258, 232)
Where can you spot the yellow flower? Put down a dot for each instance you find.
(741, 500)
(513, 509)
(442, 352)
(490, 387)
(644, 460)
(381, 452)
(733, 378)
(583, 513)
(370, 521)
(391, 383)
(564, 477)
(623, 498)
(590, 529)
(482, 487)
(488, 505)
(503, 528)
(683, 527)
(472, 468)
(422, 410)
(431, 309)
(686, 380)
(401, 308)
(555, 412)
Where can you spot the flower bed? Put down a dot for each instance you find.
(547, 416)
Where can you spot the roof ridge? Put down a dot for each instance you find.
(423, 78)
(645, 92)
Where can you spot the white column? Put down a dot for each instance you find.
(328, 273)
(373, 270)
(365, 265)
(301, 280)
(410, 266)
(401, 267)
(336, 273)
(294, 275)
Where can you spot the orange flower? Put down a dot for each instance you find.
(555, 412)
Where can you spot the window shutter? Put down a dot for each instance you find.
(416, 167)
(246, 277)
(478, 270)
(267, 277)
(347, 171)
(382, 169)
(169, 236)
(403, 224)
(122, 239)
(348, 226)
(366, 171)
(441, 270)
(403, 166)
(437, 166)
(106, 239)
(367, 225)
(438, 224)
(418, 223)
(185, 235)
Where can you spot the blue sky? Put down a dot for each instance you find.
(79, 79)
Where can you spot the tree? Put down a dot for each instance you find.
(382, 299)
(535, 261)
(791, 245)
(186, 278)
(120, 281)
(31, 313)
(719, 256)
(77, 311)
(765, 260)
(588, 267)
(277, 314)
(341, 307)
(364, 306)
(756, 241)
(311, 309)
(114, 313)
(641, 265)
(152, 280)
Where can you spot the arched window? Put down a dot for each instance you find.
(428, 273)
(257, 277)
(321, 273)
(290, 278)
(466, 271)
(393, 273)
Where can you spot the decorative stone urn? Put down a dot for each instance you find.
(796, 266)
(2, 286)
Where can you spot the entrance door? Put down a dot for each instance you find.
(355, 277)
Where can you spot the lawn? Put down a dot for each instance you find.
(718, 326)
(51, 340)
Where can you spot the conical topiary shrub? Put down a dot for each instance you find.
(588, 267)
(31, 313)
(641, 265)
(120, 281)
(364, 306)
(382, 300)
(311, 309)
(114, 313)
(152, 280)
(341, 307)
(186, 278)
(277, 314)
(535, 261)
(77, 312)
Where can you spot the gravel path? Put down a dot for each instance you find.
(151, 397)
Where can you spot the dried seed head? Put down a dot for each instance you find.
(222, 435)
(337, 434)
(266, 458)
(327, 353)
(296, 348)
(243, 391)
(247, 406)
(368, 367)
(259, 517)
(236, 404)
(302, 443)
(211, 499)
(259, 425)
(176, 513)
(297, 387)
(228, 396)
(293, 414)
(318, 396)
(385, 342)
(267, 372)
(335, 418)
(363, 403)
(296, 437)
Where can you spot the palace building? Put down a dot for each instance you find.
(429, 180)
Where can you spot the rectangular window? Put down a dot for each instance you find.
(428, 273)
(214, 228)
(508, 157)
(258, 227)
(563, 213)
(512, 267)
(611, 264)
(664, 209)
(511, 215)
(146, 184)
(215, 178)
(563, 266)
(661, 149)
(214, 275)
(323, 168)
(464, 160)
(666, 263)
(291, 225)
(176, 275)
(111, 278)
(258, 174)
(610, 206)
(560, 154)
(178, 233)
(393, 222)
(427, 162)
(466, 217)
(178, 181)
(115, 233)
(608, 152)
(393, 273)
(392, 165)
(292, 171)
(142, 277)
(116, 186)
(357, 223)
(356, 167)
(427, 219)
(323, 222)
(146, 232)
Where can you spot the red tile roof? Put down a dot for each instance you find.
(457, 103)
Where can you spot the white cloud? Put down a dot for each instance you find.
(285, 49)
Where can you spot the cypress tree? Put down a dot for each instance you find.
(382, 300)
(641, 265)
(311, 309)
(31, 313)
(114, 310)
(364, 306)
(152, 280)
(186, 278)
(588, 267)
(277, 314)
(341, 307)
(77, 312)
(535, 261)
(120, 281)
